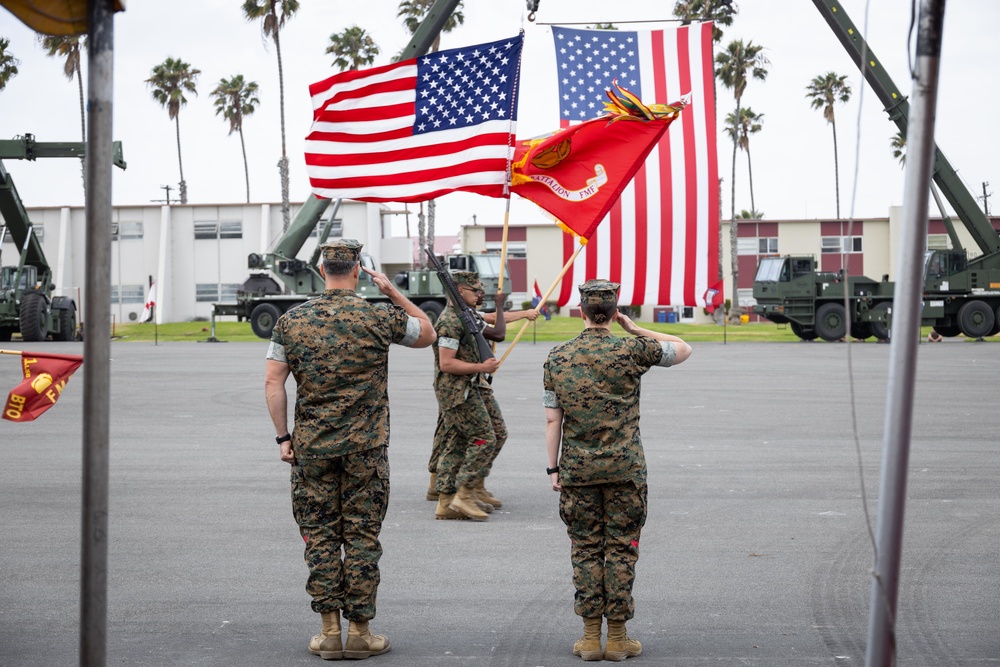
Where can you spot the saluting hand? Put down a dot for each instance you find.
(627, 324)
(385, 286)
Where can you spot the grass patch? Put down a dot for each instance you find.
(557, 329)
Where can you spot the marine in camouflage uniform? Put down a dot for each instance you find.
(591, 398)
(336, 347)
(471, 429)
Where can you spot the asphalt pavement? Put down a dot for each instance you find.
(756, 550)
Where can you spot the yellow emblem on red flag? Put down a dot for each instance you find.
(45, 377)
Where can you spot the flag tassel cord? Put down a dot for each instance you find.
(544, 299)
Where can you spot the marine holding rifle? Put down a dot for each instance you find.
(336, 346)
(471, 428)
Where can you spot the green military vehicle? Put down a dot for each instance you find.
(27, 304)
(262, 299)
(961, 289)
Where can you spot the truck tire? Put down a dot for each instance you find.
(831, 323)
(263, 318)
(433, 309)
(34, 317)
(805, 333)
(976, 319)
(881, 329)
(67, 324)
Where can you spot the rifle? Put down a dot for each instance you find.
(465, 314)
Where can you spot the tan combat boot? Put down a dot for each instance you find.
(327, 643)
(443, 511)
(361, 643)
(480, 503)
(486, 496)
(588, 646)
(432, 492)
(464, 502)
(620, 645)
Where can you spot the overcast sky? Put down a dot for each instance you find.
(792, 155)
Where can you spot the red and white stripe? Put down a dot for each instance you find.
(362, 144)
(661, 239)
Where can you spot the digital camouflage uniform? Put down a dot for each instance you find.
(595, 379)
(471, 429)
(336, 346)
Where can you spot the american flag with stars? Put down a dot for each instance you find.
(661, 240)
(417, 129)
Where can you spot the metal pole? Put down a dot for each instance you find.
(97, 342)
(881, 649)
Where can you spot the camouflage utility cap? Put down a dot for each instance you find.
(594, 292)
(467, 278)
(344, 250)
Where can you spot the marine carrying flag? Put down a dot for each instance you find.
(417, 129)
(661, 239)
(45, 376)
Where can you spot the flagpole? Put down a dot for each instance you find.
(545, 298)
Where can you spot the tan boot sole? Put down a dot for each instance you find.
(482, 516)
(328, 655)
(590, 656)
(361, 655)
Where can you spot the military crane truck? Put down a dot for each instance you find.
(961, 289)
(27, 303)
(261, 301)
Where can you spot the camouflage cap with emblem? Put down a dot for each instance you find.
(468, 278)
(343, 250)
(599, 291)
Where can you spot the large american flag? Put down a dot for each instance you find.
(417, 129)
(661, 240)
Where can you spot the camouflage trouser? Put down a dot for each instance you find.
(439, 434)
(340, 503)
(604, 522)
(474, 432)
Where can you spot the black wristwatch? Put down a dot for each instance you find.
(549, 471)
(283, 438)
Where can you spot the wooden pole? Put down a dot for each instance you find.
(545, 298)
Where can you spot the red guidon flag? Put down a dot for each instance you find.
(45, 377)
(579, 172)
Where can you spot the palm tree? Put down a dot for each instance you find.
(824, 91)
(353, 48)
(734, 65)
(719, 11)
(70, 48)
(750, 215)
(898, 143)
(271, 25)
(236, 99)
(413, 12)
(603, 26)
(749, 123)
(8, 63)
(170, 80)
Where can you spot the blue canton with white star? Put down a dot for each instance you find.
(467, 86)
(587, 62)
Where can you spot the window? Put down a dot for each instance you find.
(126, 230)
(229, 290)
(206, 292)
(231, 229)
(757, 246)
(128, 294)
(842, 244)
(937, 241)
(227, 229)
(336, 229)
(205, 230)
(37, 228)
(515, 249)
